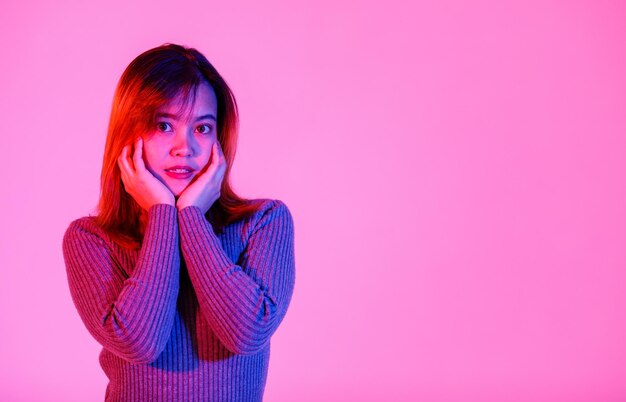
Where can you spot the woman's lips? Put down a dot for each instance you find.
(179, 172)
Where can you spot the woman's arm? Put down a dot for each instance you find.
(245, 303)
(130, 316)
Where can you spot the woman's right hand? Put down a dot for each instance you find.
(142, 185)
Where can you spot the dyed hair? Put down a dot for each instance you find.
(151, 80)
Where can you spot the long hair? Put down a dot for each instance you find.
(152, 79)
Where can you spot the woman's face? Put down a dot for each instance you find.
(177, 148)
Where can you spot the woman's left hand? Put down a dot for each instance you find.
(205, 189)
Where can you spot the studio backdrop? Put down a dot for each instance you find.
(455, 170)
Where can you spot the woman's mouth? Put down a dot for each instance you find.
(179, 172)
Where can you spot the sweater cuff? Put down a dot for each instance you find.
(161, 217)
(192, 213)
(198, 236)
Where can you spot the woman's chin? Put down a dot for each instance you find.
(177, 190)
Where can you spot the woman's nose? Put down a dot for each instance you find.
(183, 144)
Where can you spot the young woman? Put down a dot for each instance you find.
(181, 281)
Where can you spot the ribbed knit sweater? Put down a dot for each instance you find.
(188, 316)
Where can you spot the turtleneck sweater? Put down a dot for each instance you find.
(189, 315)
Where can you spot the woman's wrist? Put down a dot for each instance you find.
(181, 205)
(169, 201)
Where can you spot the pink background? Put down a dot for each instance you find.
(456, 173)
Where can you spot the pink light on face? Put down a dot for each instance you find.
(179, 147)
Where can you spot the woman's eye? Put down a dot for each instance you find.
(205, 129)
(162, 126)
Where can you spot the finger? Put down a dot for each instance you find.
(122, 153)
(212, 157)
(209, 169)
(138, 155)
(129, 158)
(220, 151)
(221, 158)
(215, 158)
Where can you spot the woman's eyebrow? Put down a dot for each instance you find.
(175, 117)
(206, 117)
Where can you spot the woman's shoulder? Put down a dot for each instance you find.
(266, 206)
(269, 210)
(85, 229)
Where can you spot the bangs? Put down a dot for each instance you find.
(182, 98)
(176, 90)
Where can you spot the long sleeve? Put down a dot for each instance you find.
(129, 314)
(245, 303)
